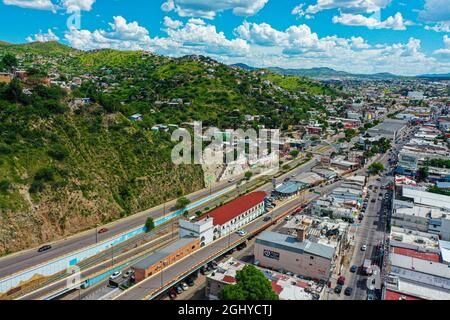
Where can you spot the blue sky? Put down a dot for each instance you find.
(364, 36)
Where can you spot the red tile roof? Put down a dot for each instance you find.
(235, 208)
(415, 254)
(392, 295)
(229, 279)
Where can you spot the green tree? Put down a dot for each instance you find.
(248, 175)
(9, 61)
(149, 224)
(295, 153)
(424, 173)
(182, 203)
(251, 285)
(376, 168)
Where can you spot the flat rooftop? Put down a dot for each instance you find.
(289, 243)
(162, 254)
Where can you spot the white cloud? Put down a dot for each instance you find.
(348, 5)
(194, 37)
(395, 22)
(261, 34)
(208, 9)
(32, 4)
(446, 50)
(172, 24)
(43, 37)
(49, 5)
(85, 5)
(359, 43)
(439, 27)
(435, 11)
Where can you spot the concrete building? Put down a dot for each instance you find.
(203, 230)
(226, 219)
(419, 278)
(390, 129)
(165, 257)
(295, 254)
(422, 211)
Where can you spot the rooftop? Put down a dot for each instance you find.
(426, 198)
(289, 243)
(162, 254)
(236, 207)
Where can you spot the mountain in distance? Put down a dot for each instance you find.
(323, 73)
(435, 76)
(244, 66)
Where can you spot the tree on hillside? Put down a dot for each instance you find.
(376, 168)
(251, 285)
(248, 175)
(182, 203)
(9, 61)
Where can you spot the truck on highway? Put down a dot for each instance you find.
(367, 267)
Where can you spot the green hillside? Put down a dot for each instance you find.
(64, 169)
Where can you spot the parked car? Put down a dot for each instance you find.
(115, 275)
(190, 282)
(241, 233)
(184, 286)
(341, 280)
(267, 218)
(179, 289)
(364, 248)
(353, 269)
(128, 273)
(44, 248)
(213, 265)
(172, 294)
(288, 218)
(338, 289)
(348, 291)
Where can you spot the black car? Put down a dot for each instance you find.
(190, 282)
(338, 289)
(203, 270)
(44, 248)
(267, 218)
(348, 291)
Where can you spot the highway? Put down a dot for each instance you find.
(26, 259)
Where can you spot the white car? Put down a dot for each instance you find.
(115, 275)
(184, 286)
(241, 233)
(364, 248)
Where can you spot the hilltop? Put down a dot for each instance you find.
(67, 165)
